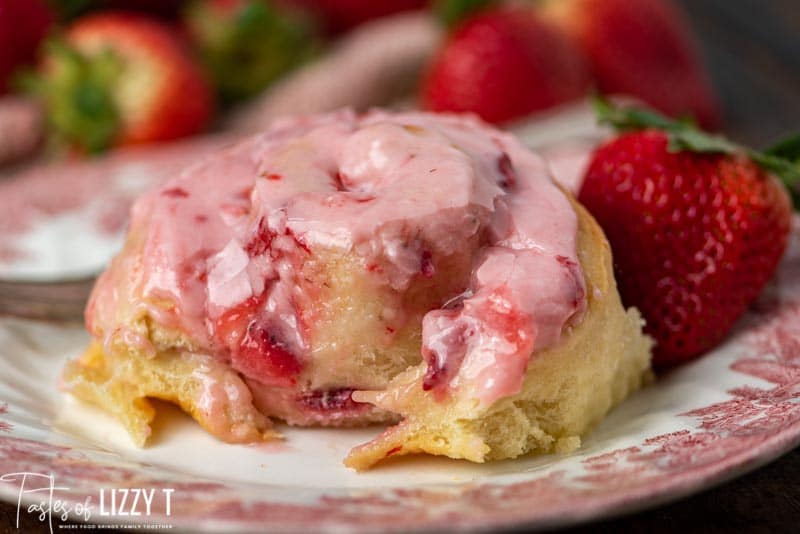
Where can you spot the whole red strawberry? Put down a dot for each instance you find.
(643, 48)
(697, 226)
(120, 79)
(504, 64)
(23, 25)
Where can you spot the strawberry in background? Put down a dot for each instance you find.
(119, 79)
(247, 44)
(23, 25)
(341, 15)
(504, 63)
(642, 48)
(697, 224)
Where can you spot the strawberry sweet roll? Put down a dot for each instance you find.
(410, 269)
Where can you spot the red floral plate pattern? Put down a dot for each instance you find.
(731, 411)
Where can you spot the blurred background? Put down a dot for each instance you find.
(752, 50)
(84, 77)
(103, 99)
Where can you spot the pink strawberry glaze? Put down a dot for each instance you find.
(394, 189)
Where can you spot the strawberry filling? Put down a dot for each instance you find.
(261, 241)
(175, 192)
(330, 400)
(506, 168)
(261, 355)
(254, 349)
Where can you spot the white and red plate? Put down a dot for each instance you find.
(729, 412)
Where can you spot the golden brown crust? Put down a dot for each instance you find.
(209, 391)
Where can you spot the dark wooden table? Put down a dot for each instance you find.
(753, 51)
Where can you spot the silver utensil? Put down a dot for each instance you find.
(59, 300)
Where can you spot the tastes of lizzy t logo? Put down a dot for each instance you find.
(41, 492)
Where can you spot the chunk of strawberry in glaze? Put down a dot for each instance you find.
(506, 168)
(263, 357)
(445, 350)
(231, 326)
(254, 350)
(261, 241)
(490, 316)
(426, 266)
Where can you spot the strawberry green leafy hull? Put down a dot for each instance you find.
(120, 79)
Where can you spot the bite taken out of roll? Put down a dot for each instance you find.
(410, 269)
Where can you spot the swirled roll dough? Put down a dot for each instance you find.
(346, 269)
